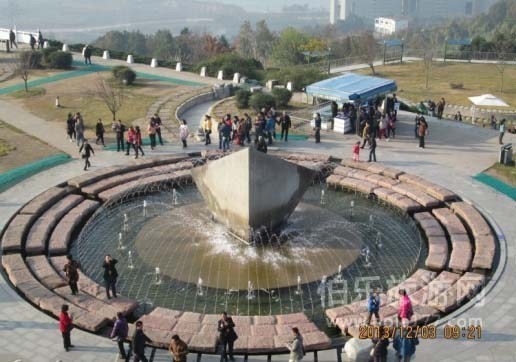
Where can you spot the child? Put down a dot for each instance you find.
(356, 151)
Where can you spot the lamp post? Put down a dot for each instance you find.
(329, 55)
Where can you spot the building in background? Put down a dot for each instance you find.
(426, 9)
(389, 26)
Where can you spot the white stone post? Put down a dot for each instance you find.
(130, 59)
(46, 44)
(66, 48)
(236, 78)
(203, 72)
(289, 86)
(179, 67)
(154, 63)
(105, 55)
(220, 75)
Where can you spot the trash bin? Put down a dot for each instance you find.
(506, 154)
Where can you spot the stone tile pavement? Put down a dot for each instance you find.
(455, 153)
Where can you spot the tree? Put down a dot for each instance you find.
(367, 49)
(162, 44)
(111, 94)
(245, 42)
(287, 50)
(502, 45)
(24, 63)
(427, 63)
(264, 40)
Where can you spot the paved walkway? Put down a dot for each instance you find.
(455, 153)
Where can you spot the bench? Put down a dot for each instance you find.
(462, 251)
(62, 233)
(110, 182)
(119, 191)
(484, 240)
(43, 271)
(416, 194)
(428, 187)
(437, 286)
(16, 232)
(43, 201)
(465, 288)
(42, 227)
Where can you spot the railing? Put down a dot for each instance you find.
(337, 345)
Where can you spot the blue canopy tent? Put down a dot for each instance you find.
(351, 87)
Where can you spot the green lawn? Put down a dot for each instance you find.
(504, 173)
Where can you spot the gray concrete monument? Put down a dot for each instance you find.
(249, 190)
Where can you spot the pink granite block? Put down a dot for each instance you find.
(210, 319)
(294, 318)
(191, 317)
(260, 344)
(15, 234)
(264, 319)
(263, 330)
(166, 313)
(203, 343)
(335, 313)
(241, 344)
(188, 327)
(316, 340)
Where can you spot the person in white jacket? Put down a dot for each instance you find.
(296, 349)
(183, 133)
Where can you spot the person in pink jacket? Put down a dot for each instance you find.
(405, 307)
(130, 140)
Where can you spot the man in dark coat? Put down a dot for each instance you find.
(120, 331)
(110, 275)
(227, 336)
(41, 40)
(139, 341)
(12, 39)
(286, 123)
(32, 41)
(86, 151)
(71, 270)
(87, 55)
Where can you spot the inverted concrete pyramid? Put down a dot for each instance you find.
(251, 190)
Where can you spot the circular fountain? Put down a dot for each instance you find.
(323, 249)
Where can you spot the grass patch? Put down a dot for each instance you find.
(5, 148)
(505, 173)
(475, 79)
(32, 92)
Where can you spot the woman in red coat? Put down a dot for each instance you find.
(65, 326)
(138, 141)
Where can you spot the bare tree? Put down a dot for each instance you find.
(500, 67)
(111, 93)
(367, 48)
(23, 64)
(428, 58)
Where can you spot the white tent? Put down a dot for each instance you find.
(486, 100)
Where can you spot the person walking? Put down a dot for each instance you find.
(41, 40)
(79, 129)
(119, 334)
(365, 134)
(373, 307)
(285, 123)
(32, 42)
(493, 121)
(422, 132)
(227, 336)
(502, 131)
(66, 326)
(261, 145)
(372, 149)
(391, 127)
(295, 347)
(405, 344)
(70, 127)
(87, 54)
(259, 128)
(110, 275)
(86, 152)
(405, 311)
(183, 133)
(151, 131)
(207, 129)
(157, 124)
(99, 131)
(382, 125)
(317, 128)
(71, 270)
(119, 130)
(417, 122)
(178, 348)
(138, 344)
(12, 39)
(356, 152)
(130, 140)
(138, 141)
(241, 132)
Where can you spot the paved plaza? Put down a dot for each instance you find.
(455, 153)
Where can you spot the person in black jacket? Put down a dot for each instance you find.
(71, 270)
(139, 341)
(110, 275)
(119, 130)
(12, 39)
(285, 125)
(87, 55)
(41, 40)
(70, 127)
(227, 336)
(32, 42)
(372, 148)
(317, 127)
(86, 151)
(99, 131)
